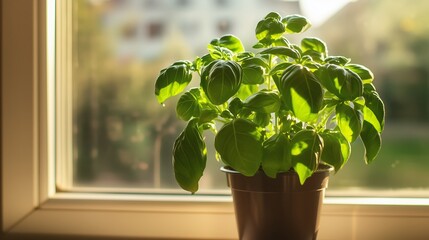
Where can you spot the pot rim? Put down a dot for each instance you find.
(321, 168)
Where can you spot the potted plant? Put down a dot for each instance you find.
(283, 117)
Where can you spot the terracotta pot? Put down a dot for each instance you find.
(280, 208)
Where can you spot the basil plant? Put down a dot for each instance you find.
(281, 107)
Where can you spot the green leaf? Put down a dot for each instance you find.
(230, 42)
(280, 68)
(269, 29)
(253, 70)
(364, 73)
(349, 121)
(283, 52)
(188, 105)
(281, 42)
(208, 113)
(336, 150)
(263, 101)
(246, 90)
(342, 82)
(277, 156)
(235, 106)
(368, 88)
(337, 60)
(173, 80)
(262, 119)
(217, 52)
(296, 23)
(373, 111)
(314, 44)
(200, 62)
(301, 92)
(239, 145)
(244, 55)
(371, 140)
(221, 80)
(274, 15)
(306, 150)
(189, 157)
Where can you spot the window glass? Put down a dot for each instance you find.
(122, 138)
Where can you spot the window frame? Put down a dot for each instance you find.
(31, 204)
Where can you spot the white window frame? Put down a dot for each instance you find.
(31, 205)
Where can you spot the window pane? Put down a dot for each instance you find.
(122, 138)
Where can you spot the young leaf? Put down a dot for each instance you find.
(188, 105)
(349, 121)
(314, 44)
(235, 106)
(373, 111)
(301, 92)
(263, 101)
(371, 140)
(208, 113)
(306, 150)
(277, 156)
(296, 23)
(342, 82)
(239, 145)
(217, 52)
(173, 80)
(281, 42)
(364, 73)
(189, 157)
(269, 29)
(262, 119)
(246, 90)
(279, 68)
(230, 42)
(337, 60)
(336, 150)
(221, 80)
(253, 70)
(282, 52)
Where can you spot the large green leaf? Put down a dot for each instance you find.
(173, 80)
(220, 80)
(189, 157)
(239, 145)
(282, 52)
(373, 111)
(371, 140)
(340, 81)
(306, 150)
(230, 42)
(296, 23)
(188, 105)
(349, 121)
(253, 70)
(263, 101)
(269, 29)
(336, 150)
(277, 156)
(301, 92)
(364, 73)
